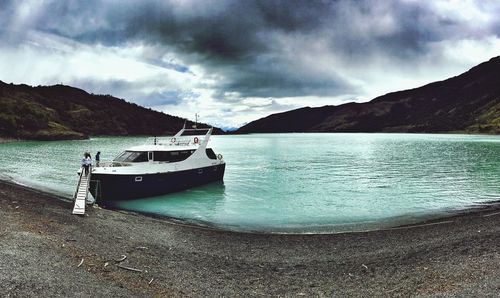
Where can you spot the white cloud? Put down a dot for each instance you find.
(48, 59)
(357, 51)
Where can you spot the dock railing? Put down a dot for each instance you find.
(79, 182)
(82, 191)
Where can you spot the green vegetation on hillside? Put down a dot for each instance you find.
(63, 112)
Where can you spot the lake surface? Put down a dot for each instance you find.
(300, 183)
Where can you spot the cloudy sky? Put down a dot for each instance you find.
(236, 61)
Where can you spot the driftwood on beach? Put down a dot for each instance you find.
(121, 259)
(129, 268)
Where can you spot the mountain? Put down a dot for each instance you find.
(467, 103)
(63, 112)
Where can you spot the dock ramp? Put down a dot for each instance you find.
(82, 191)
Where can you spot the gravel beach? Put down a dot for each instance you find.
(45, 251)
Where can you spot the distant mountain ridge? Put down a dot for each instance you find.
(467, 103)
(64, 112)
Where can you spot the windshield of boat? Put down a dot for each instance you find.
(132, 156)
(195, 132)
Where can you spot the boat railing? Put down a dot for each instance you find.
(105, 164)
(174, 141)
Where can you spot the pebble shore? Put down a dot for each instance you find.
(45, 251)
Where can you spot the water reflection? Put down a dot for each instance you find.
(183, 205)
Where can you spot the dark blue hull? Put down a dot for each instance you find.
(125, 187)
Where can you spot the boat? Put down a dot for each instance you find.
(161, 166)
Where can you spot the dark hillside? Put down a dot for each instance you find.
(468, 103)
(292, 121)
(63, 112)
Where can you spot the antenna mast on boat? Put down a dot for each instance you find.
(196, 120)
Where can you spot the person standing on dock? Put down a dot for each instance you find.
(86, 162)
(97, 158)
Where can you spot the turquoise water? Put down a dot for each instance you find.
(301, 183)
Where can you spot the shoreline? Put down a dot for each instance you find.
(465, 133)
(84, 255)
(4, 140)
(475, 208)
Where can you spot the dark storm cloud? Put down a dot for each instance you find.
(281, 80)
(229, 38)
(131, 91)
(163, 98)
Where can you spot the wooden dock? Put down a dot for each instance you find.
(82, 192)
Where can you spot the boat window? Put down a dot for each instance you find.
(122, 156)
(142, 157)
(210, 153)
(172, 156)
(131, 156)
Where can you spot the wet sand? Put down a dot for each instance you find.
(42, 246)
